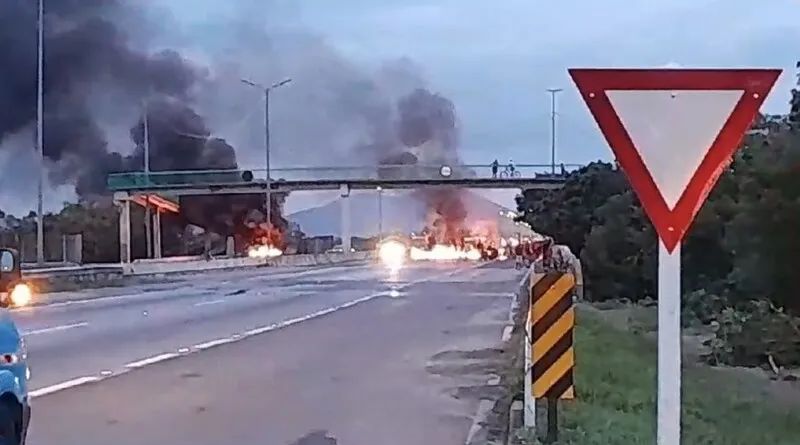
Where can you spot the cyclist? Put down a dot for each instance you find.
(511, 167)
(495, 167)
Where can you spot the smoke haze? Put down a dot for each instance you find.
(105, 58)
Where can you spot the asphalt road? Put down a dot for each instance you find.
(255, 357)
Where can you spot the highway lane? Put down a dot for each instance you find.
(77, 341)
(403, 367)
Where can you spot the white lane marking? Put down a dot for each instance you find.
(312, 315)
(206, 303)
(507, 333)
(484, 407)
(62, 327)
(212, 343)
(62, 386)
(151, 360)
(263, 329)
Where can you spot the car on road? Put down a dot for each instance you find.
(15, 409)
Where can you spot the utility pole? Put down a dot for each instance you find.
(553, 92)
(40, 136)
(147, 216)
(380, 214)
(266, 91)
(267, 149)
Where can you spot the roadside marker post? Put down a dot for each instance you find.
(550, 356)
(673, 132)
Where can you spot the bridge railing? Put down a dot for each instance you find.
(227, 178)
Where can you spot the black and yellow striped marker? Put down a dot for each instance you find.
(552, 319)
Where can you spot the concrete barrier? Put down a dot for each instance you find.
(151, 267)
(156, 267)
(48, 278)
(51, 278)
(319, 259)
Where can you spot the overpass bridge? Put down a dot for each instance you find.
(161, 189)
(209, 182)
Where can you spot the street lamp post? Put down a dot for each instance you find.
(40, 135)
(380, 214)
(147, 217)
(553, 92)
(266, 91)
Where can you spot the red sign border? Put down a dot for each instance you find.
(672, 225)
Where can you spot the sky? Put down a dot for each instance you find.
(495, 60)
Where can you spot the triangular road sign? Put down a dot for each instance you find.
(673, 131)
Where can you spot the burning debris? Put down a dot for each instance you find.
(440, 252)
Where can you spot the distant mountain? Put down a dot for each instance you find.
(401, 210)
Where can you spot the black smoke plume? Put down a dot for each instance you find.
(87, 56)
(428, 131)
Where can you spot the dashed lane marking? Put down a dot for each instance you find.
(58, 328)
(212, 343)
(151, 360)
(62, 386)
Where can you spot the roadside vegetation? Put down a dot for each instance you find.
(616, 395)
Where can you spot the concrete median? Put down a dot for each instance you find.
(155, 267)
(77, 277)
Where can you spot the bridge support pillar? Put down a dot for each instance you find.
(124, 230)
(157, 234)
(344, 209)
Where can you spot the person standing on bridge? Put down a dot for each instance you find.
(495, 167)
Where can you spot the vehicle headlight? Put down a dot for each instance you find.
(21, 295)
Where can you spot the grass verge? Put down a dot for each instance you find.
(616, 397)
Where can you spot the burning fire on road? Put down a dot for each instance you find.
(394, 253)
(441, 252)
(264, 251)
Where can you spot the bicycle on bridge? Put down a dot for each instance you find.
(509, 171)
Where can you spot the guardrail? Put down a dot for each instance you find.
(210, 178)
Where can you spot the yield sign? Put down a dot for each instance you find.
(673, 131)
